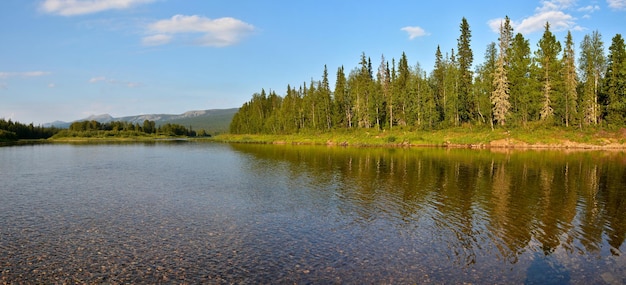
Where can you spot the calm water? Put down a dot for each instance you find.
(218, 213)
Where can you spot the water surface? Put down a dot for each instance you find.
(218, 213)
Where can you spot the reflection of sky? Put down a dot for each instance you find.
(310, 214)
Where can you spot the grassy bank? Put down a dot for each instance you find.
(474, 137)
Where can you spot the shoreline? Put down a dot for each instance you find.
(553, 139)
(460, 138)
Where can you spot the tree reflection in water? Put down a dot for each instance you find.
(534, 207)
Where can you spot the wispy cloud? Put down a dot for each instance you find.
(205, 32)
(552, 11)
(23, 74)
(128, 84)
(97, 79)
(589, 9)
(617, 4)
(82, 7)
(415, 32)
(156, 40)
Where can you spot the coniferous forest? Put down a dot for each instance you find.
(559, 84)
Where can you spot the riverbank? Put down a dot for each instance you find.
(462, 137)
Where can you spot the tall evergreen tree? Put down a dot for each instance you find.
(549, 48)
(392, 93)
(500, 94)
(342, 102)
(592, 64)
(438, 84)
(402, 90)
(383, 77)
(465, 60)
(570, 81)
(483, 83)
(521, 91)
(325, 96)
(615, 82)
(451, 84)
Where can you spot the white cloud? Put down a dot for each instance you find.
(128, 84)
(589, 9)
(558, 20)
(214, 32)
(82, 7)
(156, 40)
(97, 79)
(52, 85)
(414, 32)
(24, 74)
(549, 11)
(617, 4)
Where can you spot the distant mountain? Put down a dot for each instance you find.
(212, 121)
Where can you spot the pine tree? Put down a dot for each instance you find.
(571, 80)
(465, 59)
(549, 48)
(615, 82)
(592, 64)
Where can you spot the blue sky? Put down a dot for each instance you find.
(68, 59)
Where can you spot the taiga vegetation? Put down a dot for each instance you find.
(513, 87)
(10, 131)
(95, 129)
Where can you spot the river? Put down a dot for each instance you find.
(188, 212)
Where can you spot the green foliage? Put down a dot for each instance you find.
(10, 130)
(120, 129)
(467, 103)
(512, 86)
(614, 93)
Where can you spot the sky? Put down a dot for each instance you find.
(69, 59)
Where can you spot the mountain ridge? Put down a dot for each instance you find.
(210, 120)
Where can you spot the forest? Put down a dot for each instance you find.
(10, 131)
(513, 87)
(94, 128)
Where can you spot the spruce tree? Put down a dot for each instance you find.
(521, 92)
(615, 82)
(500, 94)
(402, 90)
(342, 102)
(438, 84)
(465, 59)
(592, 64)
(549, 48)
(451, 85)
(483, 83)
(570, 81)
(383, 78)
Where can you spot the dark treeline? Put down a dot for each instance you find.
(10, 130)
(148, 127)
(511, 87)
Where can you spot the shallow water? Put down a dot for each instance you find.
(186, 212)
